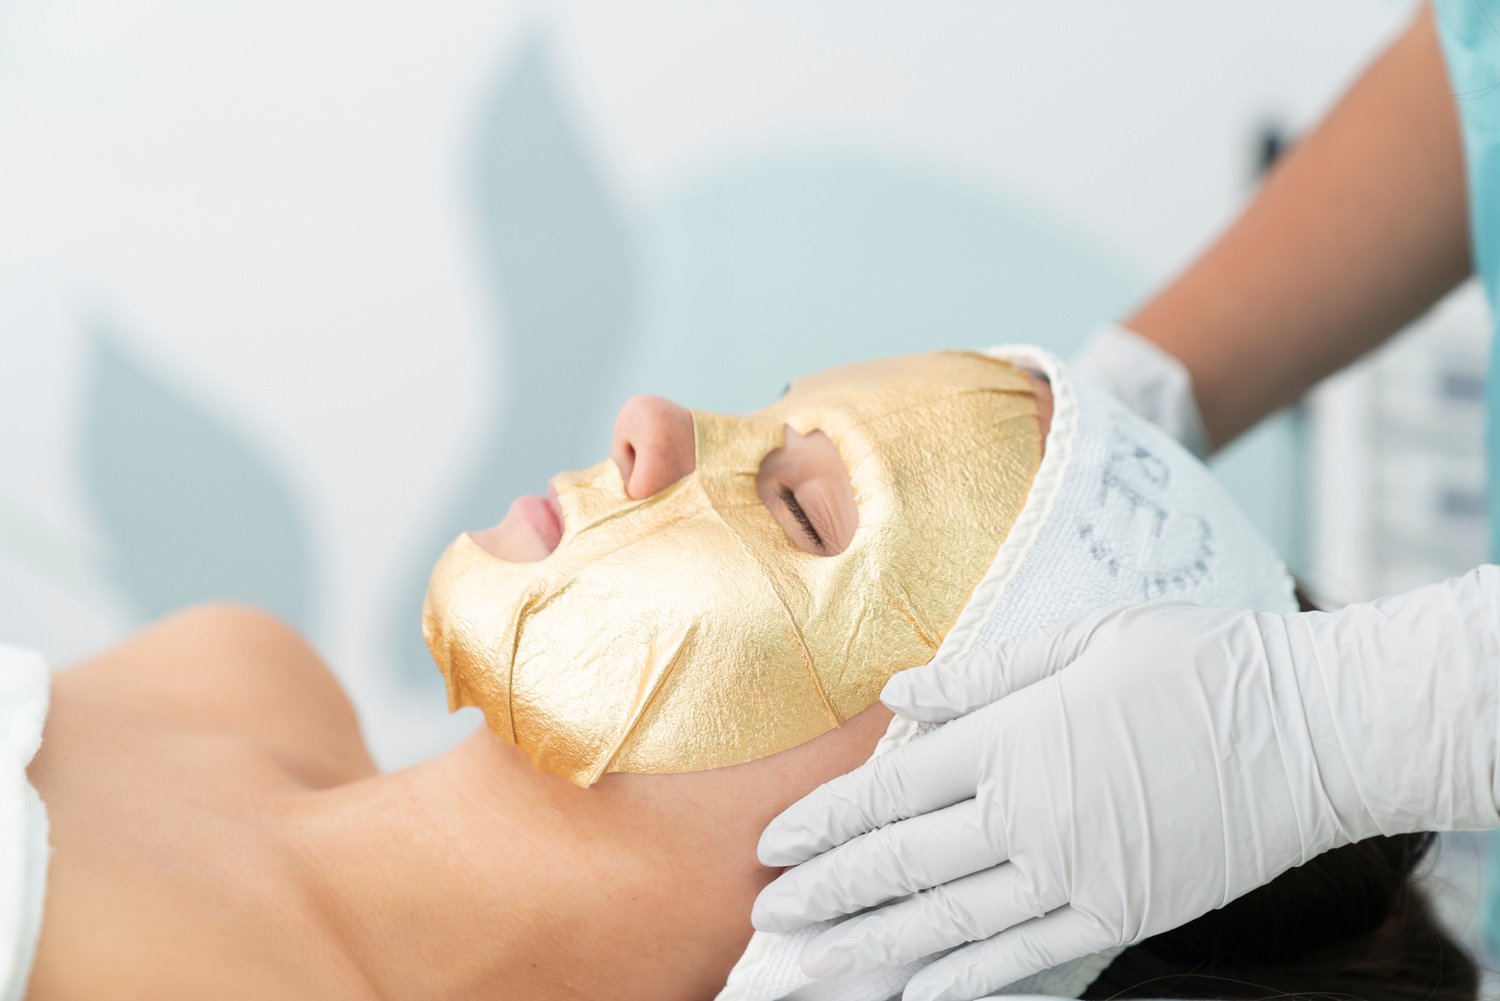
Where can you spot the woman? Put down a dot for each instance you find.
(219, 828)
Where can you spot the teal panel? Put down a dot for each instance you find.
(1266, 473)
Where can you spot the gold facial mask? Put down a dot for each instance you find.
(685, 631)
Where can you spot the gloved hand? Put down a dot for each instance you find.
(1146, 379)
(1117, 776)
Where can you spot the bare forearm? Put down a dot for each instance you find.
(1360, 228)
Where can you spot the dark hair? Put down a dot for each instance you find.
(1348, 924)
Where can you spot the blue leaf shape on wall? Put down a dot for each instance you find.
(797, 259)
(188, 508)
(560, 259)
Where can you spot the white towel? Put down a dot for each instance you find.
(24, 850)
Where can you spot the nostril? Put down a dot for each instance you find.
(625, 460)
(652, 444)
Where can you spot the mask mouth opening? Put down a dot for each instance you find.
(531, 530)
(807, 489)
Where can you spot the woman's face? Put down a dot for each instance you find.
(803, 484)
(726, 587)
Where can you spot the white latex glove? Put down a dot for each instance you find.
(1141, 767)
(1146, 379)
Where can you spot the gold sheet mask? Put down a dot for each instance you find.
(685, 631)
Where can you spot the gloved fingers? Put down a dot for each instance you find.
(956, 686)
(1026, 949)
(890, 862)
(933, 771)
(967, 909)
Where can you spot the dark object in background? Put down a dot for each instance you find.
(1271, 142)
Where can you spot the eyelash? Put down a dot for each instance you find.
(790, 500)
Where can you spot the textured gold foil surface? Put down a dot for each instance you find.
(685, 631)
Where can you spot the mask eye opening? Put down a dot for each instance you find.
(808, 492)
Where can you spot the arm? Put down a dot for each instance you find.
(1359, 229)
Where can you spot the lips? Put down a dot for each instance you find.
(544, 515)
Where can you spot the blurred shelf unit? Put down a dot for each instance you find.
(1397, 459)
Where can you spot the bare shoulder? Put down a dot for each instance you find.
(230, 668)
(166, 766)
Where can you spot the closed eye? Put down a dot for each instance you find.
(803, 521)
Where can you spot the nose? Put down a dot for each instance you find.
(652, 444)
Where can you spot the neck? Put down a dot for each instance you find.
(473, 875)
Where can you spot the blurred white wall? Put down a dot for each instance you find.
(290, 294)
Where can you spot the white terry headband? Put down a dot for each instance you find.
(1118, 513)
